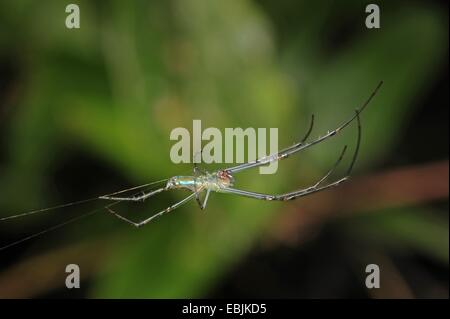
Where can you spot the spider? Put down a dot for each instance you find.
(222, 181)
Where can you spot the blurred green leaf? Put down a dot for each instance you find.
(405, 229)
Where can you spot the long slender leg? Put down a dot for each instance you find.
(197, 199)
(294, 194)
(197, 196)
(311, 125)
(273, 157)
(312, 189)
(197, 171)
(301, 146)
(205, 201)
(135, 198)
(141, 223)
(324, 178)
(197, 191)
(283, 197)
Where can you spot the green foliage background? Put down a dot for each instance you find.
(135, 70)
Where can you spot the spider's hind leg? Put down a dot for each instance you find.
(159, 214)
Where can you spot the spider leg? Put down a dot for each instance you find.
(201, 204)
(325, 177)
(196, 192)
(273, 157)
(145, 221)
(312, 189)
(311, 125)
(294, 194)
(139, 198)
(301, 145)
(197, 172)
(205, 201)
(283, 197)
(197, 196)
(197, 199)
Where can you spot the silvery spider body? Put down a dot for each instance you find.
(216, 182)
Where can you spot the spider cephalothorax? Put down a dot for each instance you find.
(225, 178)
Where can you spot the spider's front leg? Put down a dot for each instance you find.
(139, 198)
